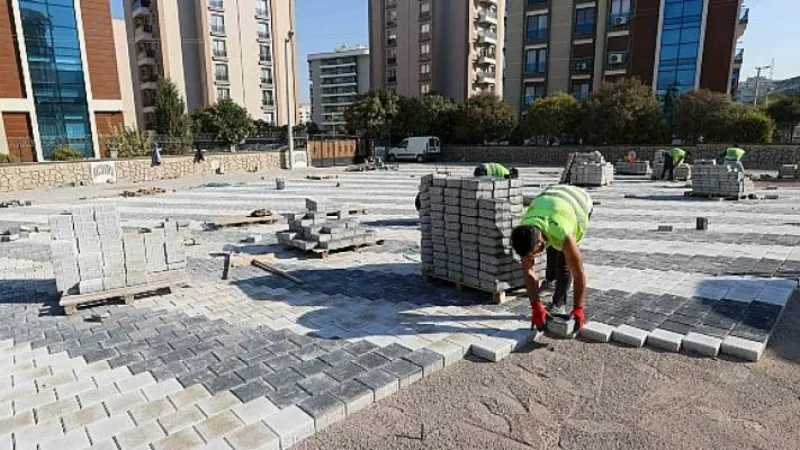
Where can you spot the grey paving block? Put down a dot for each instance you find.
(430, 361)
(287, 396)
(393, 351)
(252, 390)
(492, 349)
(345, 371)
(312, 367)
(742, 348)
(282, 362)
(405, 371)
(318, 383)
(629, 335)
(282, 378)
(382, 383)
(253, 371)
(360, 348)
(336, 357)
(325, 409)
(702, 344)
(354, 394)
(665, 340)
(371, 361)
(309, 352)
(223, 383)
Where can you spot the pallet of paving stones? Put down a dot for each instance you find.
(323, 229)
(590, 169)
(155, 282)
(632, 167)
(498, 295)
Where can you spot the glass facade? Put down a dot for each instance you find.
(680, 44)
(59, 89)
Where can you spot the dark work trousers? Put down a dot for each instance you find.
(669, 165)
(558, 270)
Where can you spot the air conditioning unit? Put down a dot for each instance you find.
(621, 20)
(582, 66)
(616, 58)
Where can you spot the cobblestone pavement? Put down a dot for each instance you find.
(258, 361)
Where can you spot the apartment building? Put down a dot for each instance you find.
(577, 45)
(215, 50)
(336, 78)
(59, 81)
(452, 47)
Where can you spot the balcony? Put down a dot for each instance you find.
(488, 2)
(263, 37)
(216, 5)
(222, 79)
(391, 22)
(143, 32)
(536, 35)
(391, 61)
(535, 68)
(487, 58)
(425, 76)
(218, 30)
(582, 65)
(334, 63)
(267, 103)
(334, 82)
(424, 37)
(391, 42)
(148, 103)
(583, 30)
(219, 55)
(425, 56)
(738, 58)
(338, 73)
(487, 37)
(486, 78)
(149, 82)
(146, 58)
(745, 17)
(619, 20)
(425, 15)
(267, 82)
(487, 17)
(391, 3)
(140, 7)
(262, 13)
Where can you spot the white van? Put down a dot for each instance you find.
(420, 149)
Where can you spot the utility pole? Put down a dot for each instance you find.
(289, 99)
(758, 82)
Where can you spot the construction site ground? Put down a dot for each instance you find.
(251, 361)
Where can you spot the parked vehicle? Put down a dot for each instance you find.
(420, 149)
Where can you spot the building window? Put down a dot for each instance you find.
(216, 4)
(220, 49)
(424, 88)
(391, 56)
(217, 24)
(263, 30)
(425, 49)
(537, 27)
(223, 94)
(264, 55)
(425, 68)
(391, 38)
(391, 75)
(269, 118)
(580, 90)
(221, 72)
(425, 28)
(532, 92)
(584, 22)
(620, 12)
(536, 60)
(261, 8)
(424, 7)
(680, 41)
(266, 75)
(56, 71)
(391, 20)
(267, 99)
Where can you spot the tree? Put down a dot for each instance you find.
(233, 122)
(552, 117)
(203, 122)
(312, 128)
(172, 124)
(130, 143)
(483, 118)
(372, 114)
(750, 125)
(702, 113)
(625, 112)
(785, 111)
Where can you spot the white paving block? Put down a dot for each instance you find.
(492, 349)
(291, 425)
(742, 348)
(628, 335)
(596, 331)
(450, 352)
(255, 410)
(665, 340)
(701, 344)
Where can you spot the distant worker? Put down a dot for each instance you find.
(496, 170)
(557, 220)
(672, 159)
(733, 157)
(630, 157)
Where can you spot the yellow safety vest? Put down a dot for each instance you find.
(560, 211)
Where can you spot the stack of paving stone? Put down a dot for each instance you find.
(789, 171)
(314, 230)
(90, 254)
(632, 168)
(466, 226)
(591, 169)
(720, 181)
(683, 171)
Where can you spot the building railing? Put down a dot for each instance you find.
(216, 4)
(266, 80)
(220, 54)
(540, 67)
(262, 12)
(745, 17)
(536, 34)
(739, 56)
(218, 29)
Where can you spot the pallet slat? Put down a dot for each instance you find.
(156, 281)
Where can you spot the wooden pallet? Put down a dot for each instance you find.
(324, 253)
(163, 280)
(240, 221)
(717, 197)
(351, 212)
(497, 297)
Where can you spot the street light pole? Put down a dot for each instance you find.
(758, 83)
(289, 82)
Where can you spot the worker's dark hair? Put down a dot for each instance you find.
(523, 239)
(480, 171)
(513, 173)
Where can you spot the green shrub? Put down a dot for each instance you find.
(64, 153)
(131, 143)
(752, 126)
(6, 159)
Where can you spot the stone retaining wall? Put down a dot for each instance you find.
(16, 177)
(757, 157)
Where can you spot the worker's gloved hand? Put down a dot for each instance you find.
(579, 316)
(538, 315)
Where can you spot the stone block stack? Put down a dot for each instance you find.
(90, 253)
(591, 169)
(632, 168)
(720, 181)
(466, 226)
(314, 230)
(789, 172)
(683, 172)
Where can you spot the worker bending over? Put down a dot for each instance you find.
(557, 220)
(672, 159)
(496, 170)
(733, 157)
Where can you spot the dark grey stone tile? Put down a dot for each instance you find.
(345, 371)
(282, 362)
(176, 355)
(393, 351)
(283, 378)
(430, 361)
(256, 370)
(144, 365)
(371, 361)
(223, 383)
(301, 340)
(227, 365)
(318, 383)
(402, 369)
(337, 356)
(350, 391)
(322, 405)
(198, 377)
(282, 347)
(378, 380)
(124, 360)
(100, 354)
(175, 369)
(287, 396)
(309, 352)
(252, 390)
(198, 362)
(360, 348)
(312, 367)
(676, 327)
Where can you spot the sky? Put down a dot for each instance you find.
(323, 25)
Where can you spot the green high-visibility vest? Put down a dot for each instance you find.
(560, 211)
(677, 154)
(734, 154)
(496, 170)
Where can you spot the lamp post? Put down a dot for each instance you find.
(289, 82)
(758, 82)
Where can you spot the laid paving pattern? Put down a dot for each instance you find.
(259, 361)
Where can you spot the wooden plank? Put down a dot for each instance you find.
(270, 268)
(156, 281)
(237, 221)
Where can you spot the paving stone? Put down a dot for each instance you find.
(59, 408)
(318, 383)
(628, 335)
(430, 361)
(345, 371)
(83, 417)
(405, 371)
(162, 389)
(140, 436)
(291, 425)
(218, 402)
(371, 360)
(742, 348)
(492, 349)
(106, 428)
(382, 383)
(281, 362)
(218, 425)
(354, 394)
(187, 438)
(255, 410)
(223, 383)
(360, 348)
(74, 439)
(252, 390)
(325, 409)
(31, 436)
(283, 378)
(702, 344)
(121, 404)
(151, 411)
(256, 436)
(665, 340)
(287, 396)
(181, 419)
(393, 351)
(451, 353)
(336, 357)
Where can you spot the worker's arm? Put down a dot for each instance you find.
(574, 260)
(531, 281)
